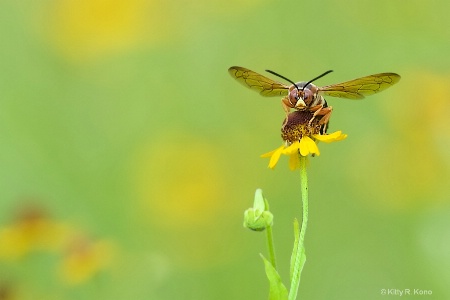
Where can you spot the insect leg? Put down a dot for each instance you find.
(287, 105)
(326, 113)
(316, 109)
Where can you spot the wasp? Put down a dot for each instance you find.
(305, 96)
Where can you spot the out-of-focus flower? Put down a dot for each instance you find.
(180, 180)
(181, 184)
(7, 291)
(83, 30)
(417, 141)
(84, 259)
(32, 231)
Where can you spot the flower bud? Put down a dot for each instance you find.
(257, 221)
(258, 217)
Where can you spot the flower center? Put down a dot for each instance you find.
(296, 125)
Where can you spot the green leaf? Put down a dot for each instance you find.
(277, 290)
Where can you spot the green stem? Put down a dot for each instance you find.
(304, 187)
(271, 247)
(300, 253)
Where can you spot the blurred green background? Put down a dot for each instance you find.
(120, 126)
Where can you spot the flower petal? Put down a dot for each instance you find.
(294, 161)
(307, 146)
(292, 149)
(304, 150)
(274, 156)
(333, 137)
(313, 149)
(268, 154)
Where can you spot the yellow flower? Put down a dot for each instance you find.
(32, 231)
(304, 147)
(300, 136)
(89, 30)
(85, 259)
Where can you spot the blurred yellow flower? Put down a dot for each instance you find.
(181, 183)
(90, 29)
(84, 259)
(33, 231)
(417, 141)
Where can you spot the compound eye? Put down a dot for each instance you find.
(293, 94)
(308, 95)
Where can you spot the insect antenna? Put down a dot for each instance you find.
(281, 76)
(320, 76)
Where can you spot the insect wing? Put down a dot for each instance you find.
(265, 86)
(364, 86)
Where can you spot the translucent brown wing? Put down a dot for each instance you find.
(364, 86)
(265, 86)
